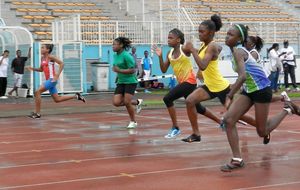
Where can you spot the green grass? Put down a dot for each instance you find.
(159, 91)
(294, 94)
(291, 94)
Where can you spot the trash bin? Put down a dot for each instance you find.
(100, 78)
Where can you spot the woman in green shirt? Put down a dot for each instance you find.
(125, 68)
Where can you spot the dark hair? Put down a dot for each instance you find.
(243, 31)
(49, 47)
(6, 51)
(179, 34)
(214, 24)
(273, 47)
(125, 41)
(285, 42)
(258, 42)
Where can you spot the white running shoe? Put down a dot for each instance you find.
(285, 96)
(3, 97)
(139, 106)
(132, 125)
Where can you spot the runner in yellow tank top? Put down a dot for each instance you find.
(207, 60)
(214, 84)
(183, 70)
(212, 77)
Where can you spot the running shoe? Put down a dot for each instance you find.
(34, 115)
(139, 106)
(174, 132)
(80, 97)
(192, 138)
(285, 96)
(295, 108)
(267, 139)
(132, 125)
(289, 108)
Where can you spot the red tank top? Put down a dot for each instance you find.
(48, 68)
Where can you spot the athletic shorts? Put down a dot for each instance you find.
(260, 96)
(51, 86)
(125, 88)
(221, 95)
(18, 79)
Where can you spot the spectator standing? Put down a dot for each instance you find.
(275, 66)
(146, 66)
(17, 68)
(289, 65)
(3, 73)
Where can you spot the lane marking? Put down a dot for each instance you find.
(142, 155)
(36, 151)
(127, 175)
(135, 174)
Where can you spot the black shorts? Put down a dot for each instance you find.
(125, 88)
(221, 95)
(260, 96)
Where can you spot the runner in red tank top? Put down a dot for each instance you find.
(48, 67)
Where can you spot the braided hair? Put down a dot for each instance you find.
(179, 34)
(125, 42)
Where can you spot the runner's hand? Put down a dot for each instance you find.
(157, 50)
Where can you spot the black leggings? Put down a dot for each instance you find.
(3, 85)
(182, 90)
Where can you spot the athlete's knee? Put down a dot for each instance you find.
(37, 93)
(228, 121)
(117, 103)
(189, 102)
(127, 102)
(56, 100)
(200, 109)
(168, 102)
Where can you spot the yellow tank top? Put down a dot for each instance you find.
(212, 76)
(182, 67)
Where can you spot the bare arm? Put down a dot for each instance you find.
(4, 55)
(40, 69)
(211, 53)
(1, 60)
(29, 53)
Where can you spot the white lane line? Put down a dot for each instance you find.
(161, 118)
(135, 174)
(141, 155)
(271, 185)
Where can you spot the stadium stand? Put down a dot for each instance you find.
(37, 15)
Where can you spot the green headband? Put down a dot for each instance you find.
(241, 31)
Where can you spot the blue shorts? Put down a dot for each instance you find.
(49, 85)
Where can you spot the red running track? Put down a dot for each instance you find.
(94, 151)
